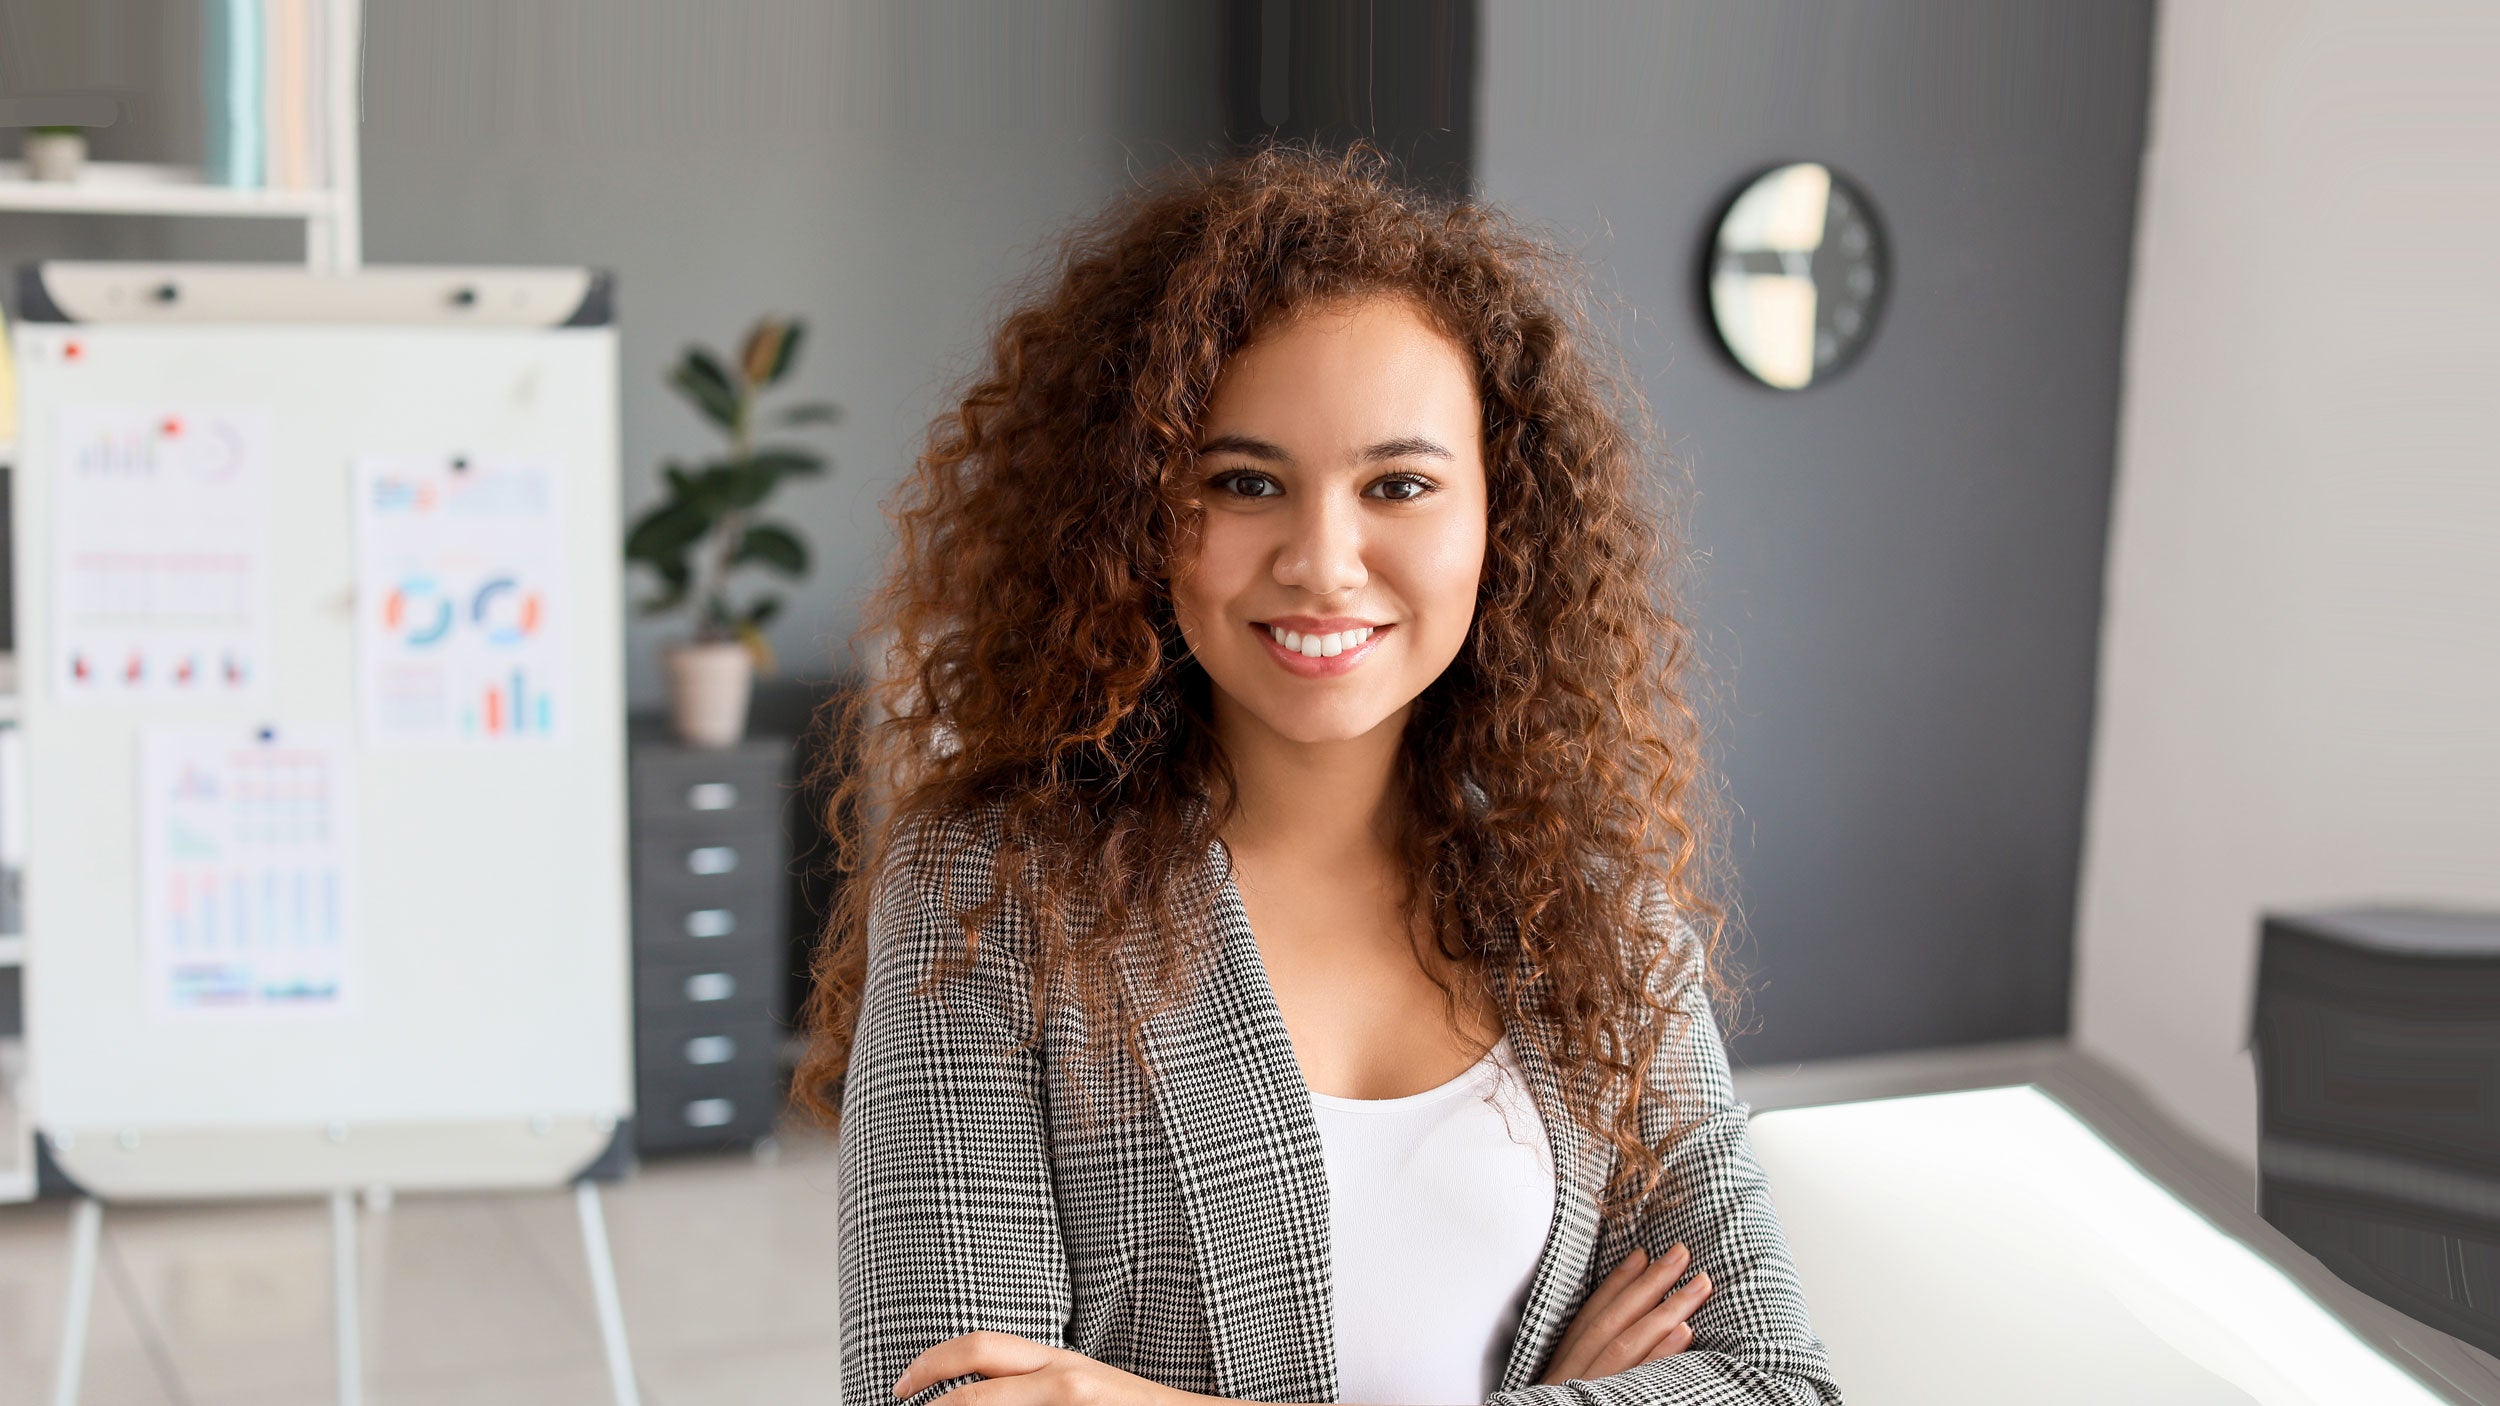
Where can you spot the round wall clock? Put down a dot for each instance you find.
(1797, 276)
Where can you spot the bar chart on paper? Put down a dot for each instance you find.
(245, 881)
(462, 620)
(160, 581)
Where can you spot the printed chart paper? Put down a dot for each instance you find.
(461, 621)
(160, 554)
(246, 869)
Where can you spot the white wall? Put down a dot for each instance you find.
(2300, 669)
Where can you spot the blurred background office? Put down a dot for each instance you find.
(2136, 578)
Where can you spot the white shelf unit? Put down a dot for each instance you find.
(331, 209)
(332, 212)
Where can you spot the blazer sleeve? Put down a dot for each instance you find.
(948, 1218)
(1752, 1339)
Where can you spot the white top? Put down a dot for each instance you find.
(1438, 1208)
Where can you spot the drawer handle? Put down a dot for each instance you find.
(711, 986)
(712, 859)
(710, 1112)
(711, 922)
(711, 1049)
(711, 795)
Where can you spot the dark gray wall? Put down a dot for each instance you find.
(1902, 589)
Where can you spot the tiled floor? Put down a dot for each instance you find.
(725, 1266)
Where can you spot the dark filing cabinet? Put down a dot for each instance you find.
(2377, 1038)
(711, 887)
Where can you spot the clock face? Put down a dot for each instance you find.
(1798, 275)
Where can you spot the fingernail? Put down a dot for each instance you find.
(1679, 1251)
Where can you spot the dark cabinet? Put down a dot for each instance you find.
(2377, 1039)
(711, 885)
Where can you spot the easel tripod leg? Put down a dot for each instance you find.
(86, 1227)
(603, 1289)
(343, 1288)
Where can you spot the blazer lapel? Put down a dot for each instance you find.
(1562, 1270)
(1238, 1120)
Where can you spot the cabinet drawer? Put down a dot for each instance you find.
(671, 1115)
(729, 1047)
(2402, 1082)
(737, 989)
(689, 1104)
(709, 869)
(676, 789)
(670, 927)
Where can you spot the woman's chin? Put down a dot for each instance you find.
(1321, 725)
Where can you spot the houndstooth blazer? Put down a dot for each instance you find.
(1181, 1231)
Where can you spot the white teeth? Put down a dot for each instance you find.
(1320, 646)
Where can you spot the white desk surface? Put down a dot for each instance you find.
(2020, 1223)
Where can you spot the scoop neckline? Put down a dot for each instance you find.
(1473, 1074)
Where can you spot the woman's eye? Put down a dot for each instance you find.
(1233, 481)
(1411, 488)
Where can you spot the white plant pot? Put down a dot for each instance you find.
(55, 156)
(708, 689)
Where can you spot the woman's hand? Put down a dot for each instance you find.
(1022, 1372)
(1630, 1318)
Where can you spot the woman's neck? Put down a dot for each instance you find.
(1311, 802)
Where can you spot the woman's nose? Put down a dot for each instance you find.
(1324, 554)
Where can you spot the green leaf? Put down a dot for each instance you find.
(663, 534)
(789, 351)
(763, 610)
(814, 412)
(776, 462)
(677, 576)
(708, 386)
(740, 485)
(773, 545)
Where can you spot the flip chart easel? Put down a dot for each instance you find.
(468, 1025)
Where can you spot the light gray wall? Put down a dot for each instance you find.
(2300, 675)
(881, 168)
(1903, 583)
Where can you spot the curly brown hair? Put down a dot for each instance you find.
(1552, 776)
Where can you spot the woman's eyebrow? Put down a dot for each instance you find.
(1406, 447)
(1251, 446)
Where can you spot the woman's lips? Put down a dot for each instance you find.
(1296, 662)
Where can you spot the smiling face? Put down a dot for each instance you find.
(1341, 471)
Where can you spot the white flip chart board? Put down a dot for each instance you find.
(319, 594)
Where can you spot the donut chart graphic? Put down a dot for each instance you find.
(417, 611)
(508, 613)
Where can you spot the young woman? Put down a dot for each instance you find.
(1280, 966)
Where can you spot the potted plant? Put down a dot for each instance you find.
(711, 524)
(55, 153)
